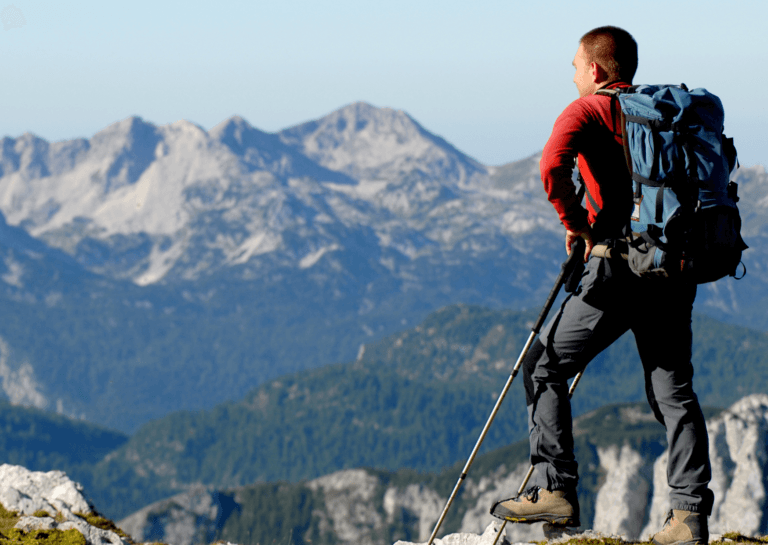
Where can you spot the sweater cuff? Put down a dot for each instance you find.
(576, 220)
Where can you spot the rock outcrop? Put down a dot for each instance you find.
(184, 519)
(50, 501)
(622, 501)
(488, 537)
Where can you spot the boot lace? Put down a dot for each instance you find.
(532, 494)
(670, 515)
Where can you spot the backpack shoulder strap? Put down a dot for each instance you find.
(617, 110)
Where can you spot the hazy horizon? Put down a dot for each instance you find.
(490, 79)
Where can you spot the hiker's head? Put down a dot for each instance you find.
(606, 55)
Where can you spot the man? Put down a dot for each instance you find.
(609, 301)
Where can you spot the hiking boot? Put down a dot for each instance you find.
(558, 507)
(683, 528)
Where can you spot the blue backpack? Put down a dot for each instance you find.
(685, 220)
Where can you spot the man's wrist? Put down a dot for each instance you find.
(577, 230)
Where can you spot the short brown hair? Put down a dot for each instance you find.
(614, 50)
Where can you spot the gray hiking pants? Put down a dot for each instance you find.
(610, 301)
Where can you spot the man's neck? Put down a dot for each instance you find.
(606, 84)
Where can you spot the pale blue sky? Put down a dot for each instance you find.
(489, 77)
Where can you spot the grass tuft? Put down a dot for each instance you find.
(96, 520)
(739, 538)
(8, 520)
(728, 539)
(13, 536)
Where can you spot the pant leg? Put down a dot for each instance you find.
(664, 337)
(587, 322)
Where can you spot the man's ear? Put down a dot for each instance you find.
(597, 74)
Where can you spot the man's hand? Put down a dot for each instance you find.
(586, 234)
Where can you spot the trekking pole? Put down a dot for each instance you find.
(576, 380)
(575, 258)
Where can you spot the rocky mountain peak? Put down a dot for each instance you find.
(26, 154)
(236, 133)
(370, 143)
(255, 146)
(126, 149)
(123, 133)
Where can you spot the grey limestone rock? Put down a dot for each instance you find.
(622, 501)
(28, 492)
(423, 502)
(488, 537)
(185, 519)
(349, 507)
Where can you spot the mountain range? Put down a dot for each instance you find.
(150, 269)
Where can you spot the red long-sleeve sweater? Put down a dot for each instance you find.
(589, 129)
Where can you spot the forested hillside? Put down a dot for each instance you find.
(43, 441)
(416, 399)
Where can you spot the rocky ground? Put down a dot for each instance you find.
(554, 536)
(48, 507)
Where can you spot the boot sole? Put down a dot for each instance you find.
(555, 520)
(552, 518)
(691, 542)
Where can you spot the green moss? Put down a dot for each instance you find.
(49, 537)
(8, 520)
(41, 513)
(599, 541)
